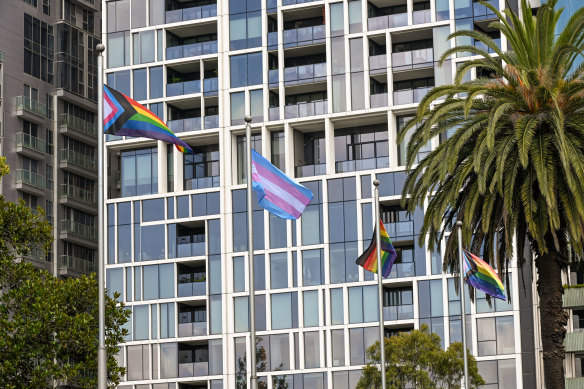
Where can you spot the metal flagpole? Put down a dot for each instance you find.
(101, 351)
(462, 304)
(379, 286)
(252, 359)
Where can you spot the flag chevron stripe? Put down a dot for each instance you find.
(368, 260)
(276, 192)
(482, 276)
(125, 116)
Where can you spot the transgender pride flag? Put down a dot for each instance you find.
(277, 193)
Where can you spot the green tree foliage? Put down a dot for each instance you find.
(278, 382)
(417, 359)
(512, 169)
(48, 327)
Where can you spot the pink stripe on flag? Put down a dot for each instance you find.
(268, 176)
(277, 200)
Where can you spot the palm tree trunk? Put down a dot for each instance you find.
(553, 318)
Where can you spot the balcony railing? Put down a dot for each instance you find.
(211, 86)
(183, 88)
(422, 16)
(77, 264)
(402, 270)
(193, 369)
(27, 104)
(37, 254)
(573, 297)
(31, 142)
(311, 170)
(189, 289)
(292, 2)
(378, 64)
(202, 183)
(305, 74)
(387, 21)
(482, 12)
(414, 59)
(67, 120)
(273, 77)
(301, 110)
(379, 100)
(192, 13)
(211, 121)
(272, 40)
(82, 195)
(185, 125)
(27, 177)
(192, 329)
(304, 36)
(190, 249)
(400, 230)
(81, 230)
(398, 312)
(409, 96)
(361, 164)
(574, 342)
(192, 50)
(481, 45)
(78, 159)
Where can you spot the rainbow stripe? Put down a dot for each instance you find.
(124, 116)
(481, 276)
(368, 260)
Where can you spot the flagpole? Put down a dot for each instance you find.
(101, 350)
(252, 359)
(379, 285)
(462, 303)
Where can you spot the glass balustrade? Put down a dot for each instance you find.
(77, 264)
(378, 100)
(311, 170)
(183, 88)
(81, 230)
(27, 104)
(305, 74)
(31, 142)
(211, 86)
(202, 183)
(78, 159)
(30, 178)
(191, 13)
(192, 329)
(421, 16)
(70, 121)
(185, 125)
(211, 121)
(306, 109)
(412, 59)
(78, 194)
(409, 96)
(378, 64)
(361, 164)
(304, 36)
(398, 312)
(191, 50)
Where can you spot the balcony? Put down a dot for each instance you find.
(361, 164)
(378, 100)
(305, 74)
(387, 21)
(211, 86)
(183, 88)
(35, 182)
(81, 230)
(304, 36)
(211, 121)
(185, 125)
(301, 110)
(193, 369)
(78, 194)
(191, 50)
(311, 170)
(378, 64)
(414, 59)
(70, 157)
(273, 40)
(202, 183)
(191, 246)
(400, 230)
(573, 297)
(192, 289)
(82, 130)
(398, 312)
(574, 342)
(575, 383)
(292, 2)
(422, 16)
(68, 263)
(37, 254)
(482, 12)
(192, 329)
(25, 104)
(274, 113)
(30, 145)
(192, 13)
(481, 45)
(410, 96)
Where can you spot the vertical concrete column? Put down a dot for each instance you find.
(162, 167)
(178, 160)
(329, 133)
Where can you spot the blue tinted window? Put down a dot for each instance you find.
(153, 210)
(214, 274)
(312, 267)
(140, 321)
(215, 314)
(182, 206)
(238, 70)
(140, 91)
(259, 272)
(254, 68)
(238, 274)
(281, 311)
(151, 282)
(139, 172)
(152, 242)
(156, 82)
(311, 308)
(337, 310)
(278, 232)
(115, 282)
(213, 205)
(279, 270)
(166, 281)
(214, 236)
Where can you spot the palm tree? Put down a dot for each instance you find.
(513, 169)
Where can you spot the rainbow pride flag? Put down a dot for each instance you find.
(124, 116)
(368, 260)
(481, 276)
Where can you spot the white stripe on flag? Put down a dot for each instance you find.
(278, 191)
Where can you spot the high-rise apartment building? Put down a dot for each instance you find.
(328, 85)
(48, 107)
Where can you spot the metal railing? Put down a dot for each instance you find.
(78, 194)
(27, 177)
(31, 142)
(192, 13)
(301, 110)
(81, 230)
(27, 104)
(192, 50)
(77, 264)
(78, 159)
(70, 121)
(183, 88)
(305, 74)
(304, 36)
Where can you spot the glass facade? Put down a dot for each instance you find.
(177, 224)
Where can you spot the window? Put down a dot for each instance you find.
(144, 47)
(311, 308)
(284, 310)
(278, 149)
(120, 81)
(498, 374)
(361, 148)
(431, 306)
(309, 153)
(360, 339)
(31, 2)
(246, 70)
(256, 98)
(237, 108)
(245, 24)
(337, 310)
(156, 82)
(337, 20)
(47, 7)
(312, 267)
(140, 84)
(280, 352)
(312, 219)
(403, 147)
(39, 42)
(311, 350)
(138, 358)
(363, 306)
(118, 49)
(201, 169)
(139, 172)
(495, 335)
(279, 270)
(256, 144)
(338, 345)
